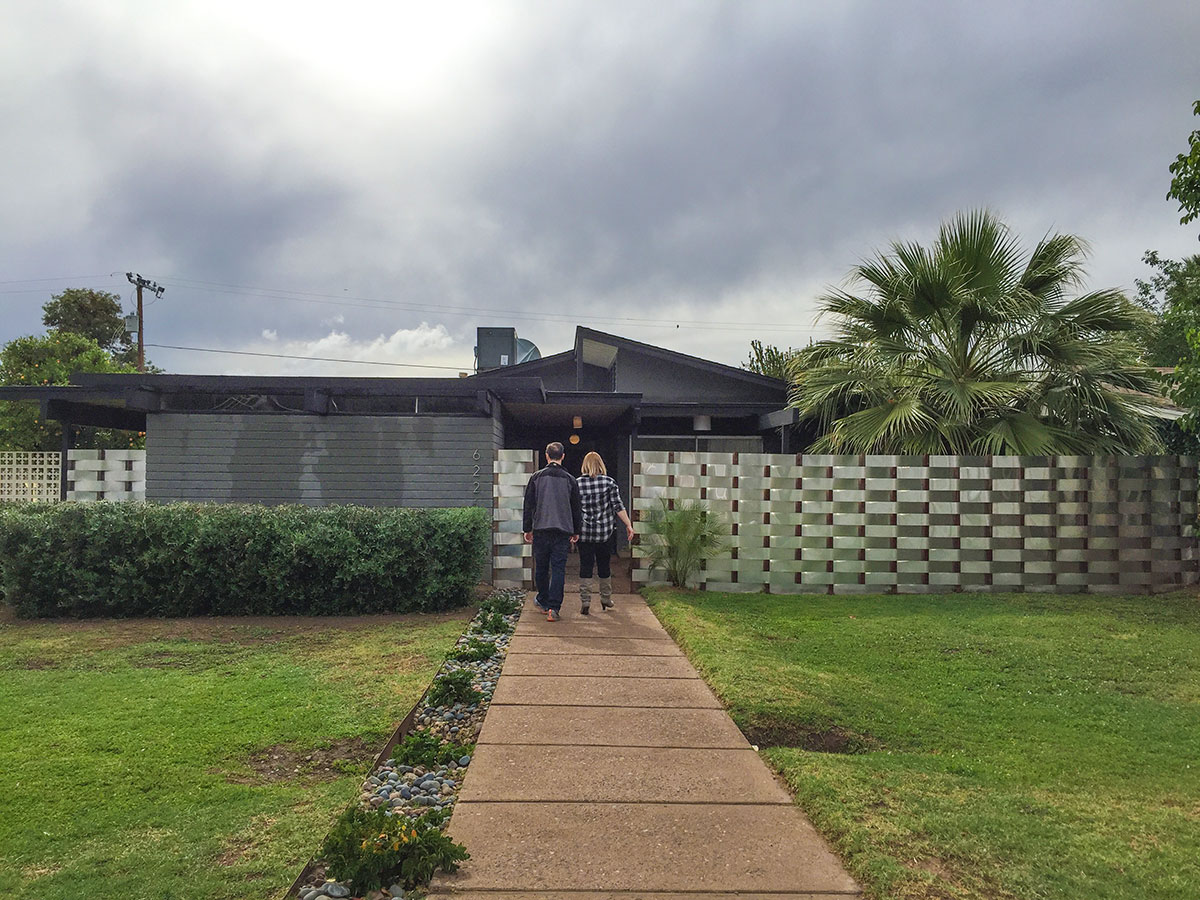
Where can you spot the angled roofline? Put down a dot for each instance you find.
(583, 333)
(530, 368)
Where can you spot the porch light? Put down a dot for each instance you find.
(574, 439)
(701, 423)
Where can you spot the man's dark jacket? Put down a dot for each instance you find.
(552, 502)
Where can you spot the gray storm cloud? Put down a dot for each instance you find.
(686, 162)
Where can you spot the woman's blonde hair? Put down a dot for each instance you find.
(593, 464)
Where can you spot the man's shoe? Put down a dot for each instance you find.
(552, 615)
(540, 605)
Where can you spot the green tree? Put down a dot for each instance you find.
(766, 359)
(94, 314)
(969, 346)
(1185, 183)
(1172, 297)
(50, 359)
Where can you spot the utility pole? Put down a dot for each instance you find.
(139, 282)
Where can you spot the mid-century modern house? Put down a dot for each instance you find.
(423, 441)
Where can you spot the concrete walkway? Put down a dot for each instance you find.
(607, 769)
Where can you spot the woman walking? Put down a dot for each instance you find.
(601, 501)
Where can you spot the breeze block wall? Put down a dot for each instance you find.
(512, 561)
(110, 475)
(30, 477)
(886, 524)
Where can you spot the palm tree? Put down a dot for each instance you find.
(969, 347)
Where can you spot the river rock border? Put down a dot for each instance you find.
(408, 791)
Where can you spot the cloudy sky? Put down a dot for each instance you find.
(374, 180)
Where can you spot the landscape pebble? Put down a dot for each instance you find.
(410, 791)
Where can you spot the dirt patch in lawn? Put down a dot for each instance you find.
(772, 731)
(106, 634)
(35, 663)
(326, 763)
(943, 886)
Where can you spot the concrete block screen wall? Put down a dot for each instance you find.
(882, 524)
(111, 475)
(512, 563)
(30, 477)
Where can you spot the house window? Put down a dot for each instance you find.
(706, 444)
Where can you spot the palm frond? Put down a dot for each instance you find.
(967, 346)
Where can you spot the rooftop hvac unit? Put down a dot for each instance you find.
(496, 348)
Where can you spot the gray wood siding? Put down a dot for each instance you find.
(367, 460)
(660, 381)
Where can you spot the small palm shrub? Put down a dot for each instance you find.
(680, 539)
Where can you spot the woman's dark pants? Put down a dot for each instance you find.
(599, 552)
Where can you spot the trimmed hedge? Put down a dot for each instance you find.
(186, 559)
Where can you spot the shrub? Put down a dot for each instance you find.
(453, 687)
(505, 603)
(492, 623)
(369, 848)
(680, 539)
(423, 748)
(475, 650)
(184, 559)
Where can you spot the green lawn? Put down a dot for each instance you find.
(1015, 746)
(150, 760)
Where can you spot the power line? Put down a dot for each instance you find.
(363, 302)
(87, 287)
(364, 362)
(55, 278)
(352, 300)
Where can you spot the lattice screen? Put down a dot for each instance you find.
(30, 476)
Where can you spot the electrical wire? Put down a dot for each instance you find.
(55, 278)
(379, 303)
(364, 362)
(352, 300)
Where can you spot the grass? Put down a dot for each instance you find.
(162, 760)
(1012, 746)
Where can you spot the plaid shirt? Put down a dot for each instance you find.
(601, 500)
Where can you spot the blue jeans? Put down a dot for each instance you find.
(550, 550)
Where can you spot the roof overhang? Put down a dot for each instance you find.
(594, 409)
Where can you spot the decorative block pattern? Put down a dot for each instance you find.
(30, 477)
(107, 475)
(885, 524)
(512, 559)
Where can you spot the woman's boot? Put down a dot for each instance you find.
(585, 596)
(606, 600)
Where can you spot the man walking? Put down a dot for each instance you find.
(552, 520)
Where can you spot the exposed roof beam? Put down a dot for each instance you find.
(70, 412)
